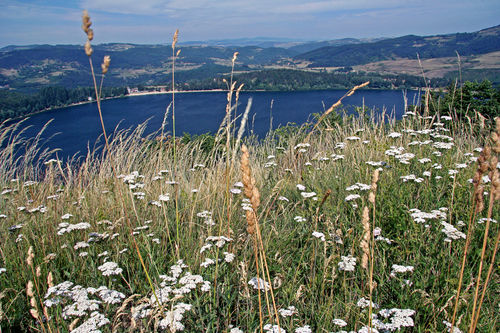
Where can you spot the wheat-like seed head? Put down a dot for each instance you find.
(251, 191)
(30, 256)
(105, 64)
(238, 91)
(73, 324)
(88, 49)
(86, 23)
(90, 34)
(373, 191)
(176, 36)
(495, 136)
(35, 314)
(50, 280)
(29, 289)
(366, 238)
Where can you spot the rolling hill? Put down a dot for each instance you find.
(405, 47)
(29, 68)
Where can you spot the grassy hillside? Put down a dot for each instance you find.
(80, 241)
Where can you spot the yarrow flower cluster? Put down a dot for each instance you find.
(395, 319)
(207, 217)
(400, 269)
(451, 232)
(421, 217)
(348, 263)
(67, 227)
(110, 268)
(171, 288)
(288, 312)
(259, 284)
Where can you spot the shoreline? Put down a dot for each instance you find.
(147, 93)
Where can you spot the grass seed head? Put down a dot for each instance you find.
(176, 36)
(35, 314)
(366, 238)
(88, 49)
(105, 64)
(50, 280)
(90, 34)
(29, 289)
(86, 23)
(30, 256)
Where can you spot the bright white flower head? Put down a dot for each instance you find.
(110, 268)
(319, 235)
(288, 312)
(339, 322)
(258, 283)
(348, 263)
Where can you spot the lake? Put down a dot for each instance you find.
(73, 128)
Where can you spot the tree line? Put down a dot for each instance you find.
(15, 104)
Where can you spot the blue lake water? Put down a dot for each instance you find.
(74, 128)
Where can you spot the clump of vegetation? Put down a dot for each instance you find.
(376, 225)
(467, 99)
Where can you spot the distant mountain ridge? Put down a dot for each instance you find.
(28, 68)
(427, 47)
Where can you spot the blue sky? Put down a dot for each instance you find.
(154, 21)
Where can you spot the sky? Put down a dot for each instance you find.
(155, 21)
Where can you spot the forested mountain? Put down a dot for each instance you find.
(465, 44)
(29, 68)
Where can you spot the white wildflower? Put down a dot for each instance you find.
(364, 303)
(110, 268)
(319, 235)
(288, 312)
(394, 135)
(258, 283)
(164, 197)
(92, 324)
(273, 329)
(347, 264)
(229, 257)
(351, 197)
(207, 262)
(308, 194)
(451, 232)
(339, 322)
(303, 329)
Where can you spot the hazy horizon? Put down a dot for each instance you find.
(154, 21)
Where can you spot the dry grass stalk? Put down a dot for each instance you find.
(31, 287)
(365, 242)
(491, 166)
(369, 240)
(85, 26)
(252, 193)
(334, 106)
(477, 206)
